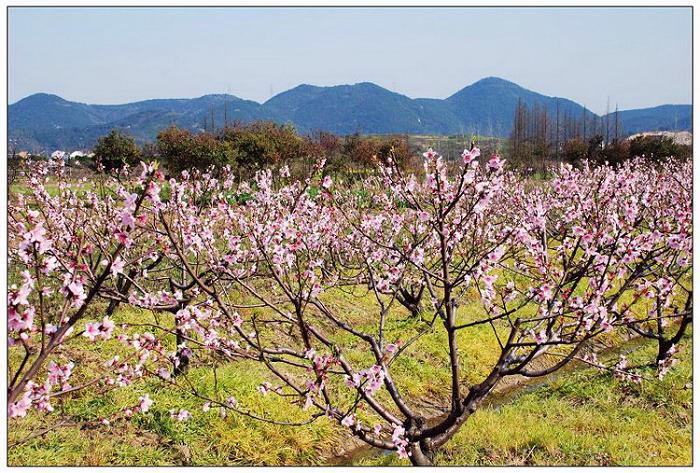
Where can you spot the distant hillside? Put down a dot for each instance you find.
(363, 108)
(49, 122)
(488, 106)
(661, 118)
(46, 122)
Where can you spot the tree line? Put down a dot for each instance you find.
(540, 136)
(249, 147)
(539, 139)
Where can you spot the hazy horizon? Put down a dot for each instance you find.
(119, 55)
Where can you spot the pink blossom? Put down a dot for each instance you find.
(470, 155)
(145, 403)
(127, 219)
(92, 331)
(107, 327)
(348, 421)
(265, 388)
(117, 266)
(392, 348)
(495, 162)
(19, 408)
(430, 154)
(76, 292)
(181, 416)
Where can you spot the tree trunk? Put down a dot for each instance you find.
(183, 361)
(664, 347)
(113, 304)
(418, 457)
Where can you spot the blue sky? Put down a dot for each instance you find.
(638, 57)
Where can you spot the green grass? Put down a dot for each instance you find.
(583, 418)
(22, 186)
(153, 438)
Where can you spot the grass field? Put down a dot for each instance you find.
(582, 417)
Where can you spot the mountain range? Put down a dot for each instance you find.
(43, 122)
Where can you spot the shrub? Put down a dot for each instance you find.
(658, 147)
(574, 150)
(181, 149)
(116, 149)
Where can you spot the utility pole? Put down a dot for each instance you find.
(545, 140)
(557, 132)
(607, 122)
(225, 112)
